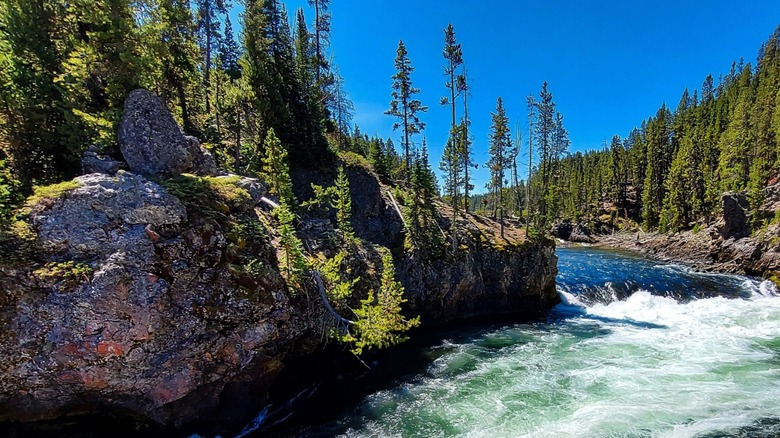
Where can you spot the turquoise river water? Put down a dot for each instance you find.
(638, 348)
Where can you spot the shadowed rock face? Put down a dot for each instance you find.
(735, 218)
(153, 144)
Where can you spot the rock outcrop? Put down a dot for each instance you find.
(573, 232)
(153, 144)
(162, 297)
(735, 215)
(94, 162)
(139, 307)
(488, 275)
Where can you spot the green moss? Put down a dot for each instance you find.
(208, 196)
(775, 278)
(54, 191)
(64, 275)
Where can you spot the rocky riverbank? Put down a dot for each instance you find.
(728, 245)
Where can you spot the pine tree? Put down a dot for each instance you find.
(305, 60)
(342, 108)
(617, 179)
(658, 153)
(500, 143)
(531, 106)
(453, 57)
(229, 51)
(379, 318)
(465, 141)
(178, 53)
(209, 34)
(545, 128)
(275, 169)
(404, 106)
(343, 204)
(322, 75)
(423, 192)
(377, 157)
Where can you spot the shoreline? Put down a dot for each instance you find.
(706, 250)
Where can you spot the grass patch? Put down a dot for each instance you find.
(50, 192)
(208, 196)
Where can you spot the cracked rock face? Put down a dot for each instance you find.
(153, 144)
(159, 326)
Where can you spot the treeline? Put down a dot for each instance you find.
(66, 68)
(671, 171)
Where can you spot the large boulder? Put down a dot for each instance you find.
(141, 307)
(106, 214)
(153, 144)
(735, 218)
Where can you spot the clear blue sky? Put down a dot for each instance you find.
(609, 64)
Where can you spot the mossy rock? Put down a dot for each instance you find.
(207, 196)
(44, 194)
(64, 276)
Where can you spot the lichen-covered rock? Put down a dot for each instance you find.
(153, 144)
(94, 162)
(140, 308)
(106, 214)
(256, 189)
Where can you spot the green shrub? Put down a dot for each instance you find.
(352, 159)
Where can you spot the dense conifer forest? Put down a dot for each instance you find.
(66, 68)
(669, 172)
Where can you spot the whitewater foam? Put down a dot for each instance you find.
(649, 364)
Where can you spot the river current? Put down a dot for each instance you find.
(638, 348)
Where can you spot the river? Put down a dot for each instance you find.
(638, 348)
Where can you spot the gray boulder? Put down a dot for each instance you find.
(107, 214)
(94, 162)
(153, 144)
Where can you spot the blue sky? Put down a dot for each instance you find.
(609, 64)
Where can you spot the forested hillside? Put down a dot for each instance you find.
(67, 68)
(670, 172)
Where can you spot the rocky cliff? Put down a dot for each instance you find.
(163, 297)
